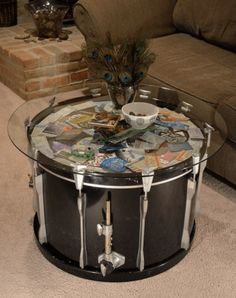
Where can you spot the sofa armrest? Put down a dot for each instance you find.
(124, 19)
(227, 109)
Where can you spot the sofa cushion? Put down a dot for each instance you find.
(212, 20)
(204, 71)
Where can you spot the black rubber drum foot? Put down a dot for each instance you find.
(94, 273)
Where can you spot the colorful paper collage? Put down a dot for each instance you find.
(104, 142)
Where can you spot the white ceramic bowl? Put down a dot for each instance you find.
(140, 114)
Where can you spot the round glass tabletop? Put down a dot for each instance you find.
(85, 135)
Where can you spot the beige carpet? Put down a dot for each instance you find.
(208, 271)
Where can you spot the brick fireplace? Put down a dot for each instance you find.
(40, 67)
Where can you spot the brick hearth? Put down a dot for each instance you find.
(40, 68)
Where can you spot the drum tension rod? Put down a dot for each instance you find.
(208, 129)
(38, 197)
(27, 124)
(194, 186)
(109, 260)
(191, 191)
(147, 178)
(79, 171)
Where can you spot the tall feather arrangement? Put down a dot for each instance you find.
(122, 64)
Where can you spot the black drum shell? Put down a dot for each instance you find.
(164, 221)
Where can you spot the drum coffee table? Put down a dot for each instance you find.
(115, 204)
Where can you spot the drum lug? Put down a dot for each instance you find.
(79, 171)
(27, 124)
(186, 107)
(81, 204)
(145, 94)
(110, 260)
(147, 178)
(208, 129)
(52, 102)
(31, 181)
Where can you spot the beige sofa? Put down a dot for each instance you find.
(195, 43)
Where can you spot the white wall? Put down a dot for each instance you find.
(22, 14)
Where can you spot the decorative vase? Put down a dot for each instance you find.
(121, 95)
(48, 17)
